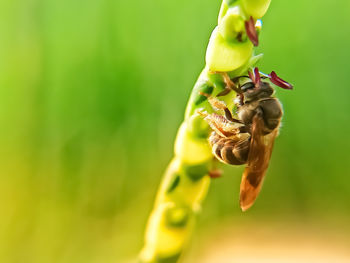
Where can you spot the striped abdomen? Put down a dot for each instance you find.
(230, 150)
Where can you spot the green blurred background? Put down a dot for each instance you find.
(91, 95)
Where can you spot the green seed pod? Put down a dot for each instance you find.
(250, 64)
(223, 55)
(255, 8)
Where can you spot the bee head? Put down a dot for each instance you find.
(255, 88)
(251, 91)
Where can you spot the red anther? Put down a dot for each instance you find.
(215, 174)
(257, 77)
(279, 82)
(251, 31)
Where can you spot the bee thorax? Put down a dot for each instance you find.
(270, 108)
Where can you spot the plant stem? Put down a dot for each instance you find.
(187, 179)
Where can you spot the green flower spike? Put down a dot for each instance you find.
(187, 178)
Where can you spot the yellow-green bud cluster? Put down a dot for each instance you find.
(229, 48)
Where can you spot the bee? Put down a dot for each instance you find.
(249, 138)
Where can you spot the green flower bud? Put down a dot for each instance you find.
(231, 24)
(223, 10)
(205, 88)
(177, 216)
(197, 127)
(250, 64)
(190, 150)
(255, 8)
(197, 171)
(223, 55)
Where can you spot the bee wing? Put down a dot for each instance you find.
(258, 162)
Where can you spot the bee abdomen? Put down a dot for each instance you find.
(271, 124)
(228, 150)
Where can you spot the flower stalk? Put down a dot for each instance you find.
(187, 178)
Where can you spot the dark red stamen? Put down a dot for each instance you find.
(257, 77)
(251, 31)
(215, 174)
(279, 82)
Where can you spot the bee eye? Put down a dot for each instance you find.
(248, 86)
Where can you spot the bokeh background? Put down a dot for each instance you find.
(91, 95)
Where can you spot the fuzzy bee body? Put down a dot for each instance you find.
(249, 138)
(234, 149)
(270, 109)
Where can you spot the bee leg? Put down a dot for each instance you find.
(218, 123)
(241, 100)
(224, 92)
(230, 84)
(217, 104)
(228, 116)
